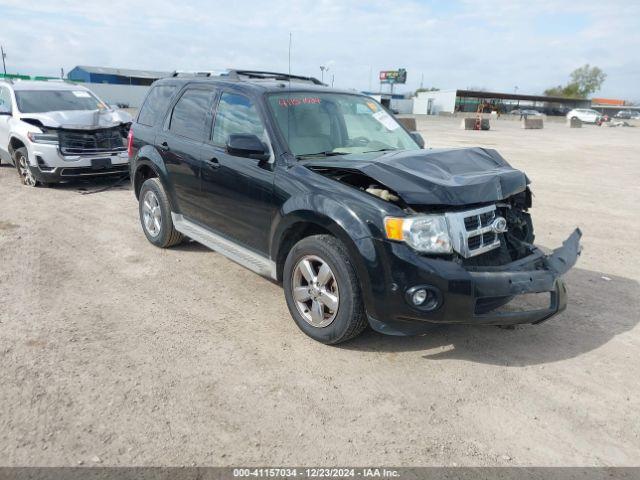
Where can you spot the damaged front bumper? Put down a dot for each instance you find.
(466, 295)
(49, 165)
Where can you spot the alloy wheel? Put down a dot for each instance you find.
(25, 171)
(151, 213)
(315, 291)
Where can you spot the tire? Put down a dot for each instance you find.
(330, 325)
(21, 161)
(155, 215)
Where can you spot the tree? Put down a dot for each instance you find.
(583, 82)
(588, 79)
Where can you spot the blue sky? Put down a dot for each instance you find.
(491, 44)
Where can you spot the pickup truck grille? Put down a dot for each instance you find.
(472, 231)
(79, 142)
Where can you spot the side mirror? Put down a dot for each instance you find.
(246, 145)
(417, 138)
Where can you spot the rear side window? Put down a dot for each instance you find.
(190, 114)
(156, 104)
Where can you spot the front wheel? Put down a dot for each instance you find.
(322, 290)
(21, 161)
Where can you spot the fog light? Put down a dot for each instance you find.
(419, 296)
(424, 297)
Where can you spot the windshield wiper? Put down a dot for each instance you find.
(381, 150)
(321, 154)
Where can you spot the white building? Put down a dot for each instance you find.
(432, 103)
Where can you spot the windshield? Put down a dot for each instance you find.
(39, 101)
(336, 124)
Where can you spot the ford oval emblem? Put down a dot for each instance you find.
(499, 225)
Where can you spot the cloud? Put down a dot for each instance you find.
(495, 44)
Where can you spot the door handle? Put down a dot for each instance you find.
(213, 163)
(164, 146)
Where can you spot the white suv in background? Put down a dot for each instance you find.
(587, 115)
(54, 131)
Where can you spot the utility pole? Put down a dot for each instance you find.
(4, 55)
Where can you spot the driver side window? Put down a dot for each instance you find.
(236, 114)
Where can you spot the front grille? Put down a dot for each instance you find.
(472, 232)
(79, 142)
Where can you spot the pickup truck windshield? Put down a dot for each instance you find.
(329, 124)
(40, 101)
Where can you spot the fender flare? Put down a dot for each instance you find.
(148, 156)
(341, 223)
(14, 137)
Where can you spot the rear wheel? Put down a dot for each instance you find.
(322, 290)
(155, 215)
(21, 161)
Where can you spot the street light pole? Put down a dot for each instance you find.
(4, 55)
(323, 69)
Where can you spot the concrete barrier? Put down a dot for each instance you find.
(574, 123)
(470, 124)
(408, 122)
(532, 123)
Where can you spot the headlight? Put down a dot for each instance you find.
(424, 233)
(50, 138)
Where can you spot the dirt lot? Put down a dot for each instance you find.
(115, 352)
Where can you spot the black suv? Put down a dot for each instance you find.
(327, 193)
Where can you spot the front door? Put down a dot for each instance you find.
(180, 145)
(5, 117)
(237, 191)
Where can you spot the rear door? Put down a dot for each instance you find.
(237, 192)
(180, 145)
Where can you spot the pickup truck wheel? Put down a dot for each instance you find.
(155, 215)
(322, 290)
(21, 161)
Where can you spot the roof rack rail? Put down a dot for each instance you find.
(181, 73)
(260, 75)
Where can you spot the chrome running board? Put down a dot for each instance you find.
(233, 251)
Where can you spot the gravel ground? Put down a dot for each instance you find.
(114, 352)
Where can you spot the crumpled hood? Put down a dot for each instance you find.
(437, 177)
(80, 119)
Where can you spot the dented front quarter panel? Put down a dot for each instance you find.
(352, 216)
